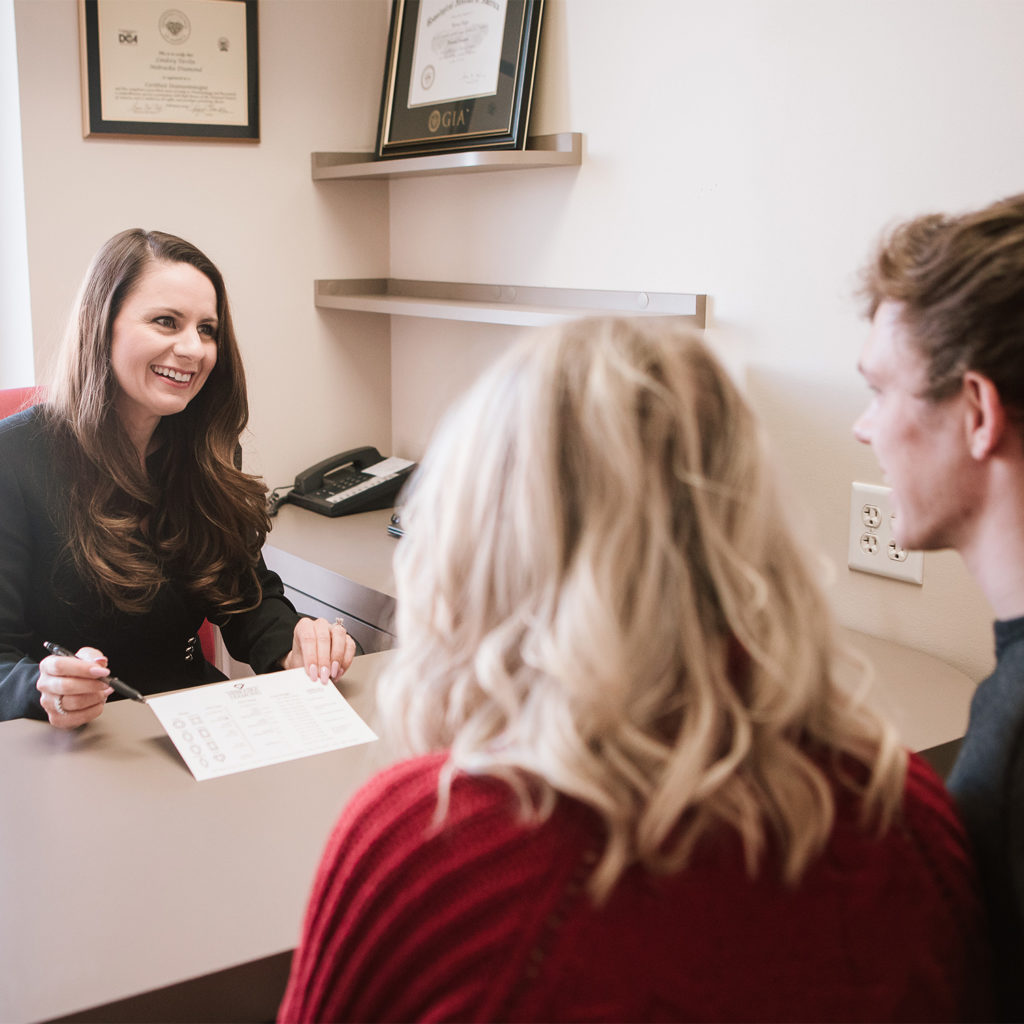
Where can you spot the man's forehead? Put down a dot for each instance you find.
(888, 316)
(889, 347)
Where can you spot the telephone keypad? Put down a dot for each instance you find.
(342, 481)
(349, 482)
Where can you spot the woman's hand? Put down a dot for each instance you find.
(324, 650)
(72, 690)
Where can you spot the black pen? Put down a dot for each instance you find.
(112, 681)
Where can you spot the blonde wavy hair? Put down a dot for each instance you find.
(598, 597)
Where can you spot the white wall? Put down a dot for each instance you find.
(16, 369)
(750, 149)
(315, 381)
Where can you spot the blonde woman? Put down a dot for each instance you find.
(637, 790)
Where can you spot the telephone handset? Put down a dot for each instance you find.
(359, 480)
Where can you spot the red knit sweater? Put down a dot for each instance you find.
(487, 919)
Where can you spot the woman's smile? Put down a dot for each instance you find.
(179, 377)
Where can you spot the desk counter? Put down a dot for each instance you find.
(339, 566)
(357, 547)
(129, 888)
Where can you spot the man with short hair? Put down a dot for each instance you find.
(945, 363)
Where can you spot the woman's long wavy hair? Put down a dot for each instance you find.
(598, 596)
(203, 520)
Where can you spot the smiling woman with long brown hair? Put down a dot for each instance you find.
(127, 519)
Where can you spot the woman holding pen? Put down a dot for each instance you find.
(127, 519)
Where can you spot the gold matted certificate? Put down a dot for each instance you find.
(169, 67)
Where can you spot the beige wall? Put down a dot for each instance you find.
(750, 149)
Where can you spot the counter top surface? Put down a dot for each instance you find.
(119, 873)
(357, 547)
(927, 699)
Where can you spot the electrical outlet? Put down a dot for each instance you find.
(872, 545)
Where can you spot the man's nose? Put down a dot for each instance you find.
(861, 429)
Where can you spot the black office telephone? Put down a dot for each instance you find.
(359, 480)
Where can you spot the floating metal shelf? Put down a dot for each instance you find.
(500, 304)
(562, 150)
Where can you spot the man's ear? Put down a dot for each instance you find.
(985, 419)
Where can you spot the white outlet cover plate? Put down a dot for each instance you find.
(873, 548)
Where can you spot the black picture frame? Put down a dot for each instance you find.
(488, 120)
(171, 127)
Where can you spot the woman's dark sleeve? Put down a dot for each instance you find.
(19, 672)
(263, 636)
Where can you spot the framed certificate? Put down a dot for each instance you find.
(170, 68)
(459, 75)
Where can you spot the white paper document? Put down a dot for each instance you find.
(247, 723)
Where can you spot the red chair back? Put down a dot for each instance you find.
(208, 642)
(13, 400)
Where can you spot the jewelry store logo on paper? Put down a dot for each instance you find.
(175, 26)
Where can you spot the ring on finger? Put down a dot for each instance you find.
(60, 704)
